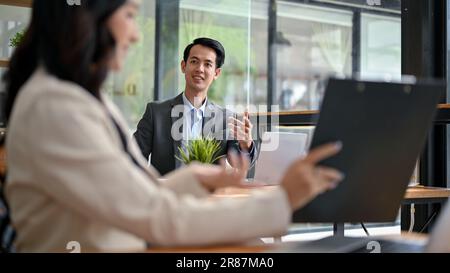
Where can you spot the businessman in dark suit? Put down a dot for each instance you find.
(166, 125)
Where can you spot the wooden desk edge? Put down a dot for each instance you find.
(416, 238)
(416, 192)
(426, 192)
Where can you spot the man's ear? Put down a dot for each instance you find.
(217, 73)
(183, 66)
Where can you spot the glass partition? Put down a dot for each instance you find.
(12, 20)
(133, 87)
(241, 26)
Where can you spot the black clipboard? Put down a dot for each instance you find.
(383, 127)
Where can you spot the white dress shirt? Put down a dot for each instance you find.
(192, 119)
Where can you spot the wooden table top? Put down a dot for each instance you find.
(260, 247)
(239, 248)
(414, 192)
(426, 192)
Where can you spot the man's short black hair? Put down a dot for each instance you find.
(211, 43)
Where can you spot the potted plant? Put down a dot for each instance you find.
(204, 150)
(17, 39)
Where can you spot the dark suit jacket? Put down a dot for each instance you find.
(154, 136)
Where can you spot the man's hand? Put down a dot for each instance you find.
(242, 131)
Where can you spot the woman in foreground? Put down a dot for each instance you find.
(75, 175)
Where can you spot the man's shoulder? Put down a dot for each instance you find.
(169, 103)
(216, 107)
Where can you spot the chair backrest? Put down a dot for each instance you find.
(7, 233)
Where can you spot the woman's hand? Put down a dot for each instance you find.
(304, 179)
(213, 177)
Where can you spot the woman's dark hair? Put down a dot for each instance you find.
(71, 42)
(213, 44)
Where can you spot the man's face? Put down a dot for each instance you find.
(200, 68)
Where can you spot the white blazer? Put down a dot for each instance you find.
(69, 179)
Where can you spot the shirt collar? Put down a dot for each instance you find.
(187, 103)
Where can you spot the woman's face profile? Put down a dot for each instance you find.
(122, 25)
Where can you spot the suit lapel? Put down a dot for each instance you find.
(208, 117)
(215, 125)
(178, 100)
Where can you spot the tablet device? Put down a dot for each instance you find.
(383, 127)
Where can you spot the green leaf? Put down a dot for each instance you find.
(203, 150)
(17, 39)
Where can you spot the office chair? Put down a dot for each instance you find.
(7, 233)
